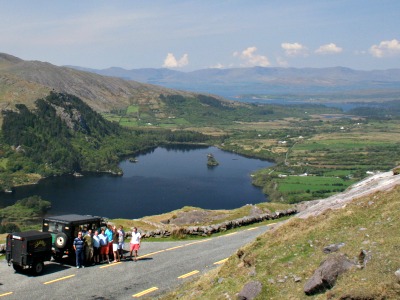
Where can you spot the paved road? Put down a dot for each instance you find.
(162, 267)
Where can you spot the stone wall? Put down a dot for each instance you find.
(210, 229)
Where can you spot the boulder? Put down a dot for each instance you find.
(332, 248)
(397, 273)
(250, 290)
(325, 276)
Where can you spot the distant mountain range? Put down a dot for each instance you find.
(261, 80)
(114, 88)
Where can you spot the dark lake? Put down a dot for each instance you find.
(162, 180)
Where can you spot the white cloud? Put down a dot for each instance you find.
(217, 66)
(385, 48)
(294, 49)
(171, 62)
(329, 49)
(282, 62)
(251, 59)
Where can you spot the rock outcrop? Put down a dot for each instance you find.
(250, 290)
(325, 276)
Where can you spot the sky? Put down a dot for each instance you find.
(188, 35)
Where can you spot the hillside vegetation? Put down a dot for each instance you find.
(64, 135)
(282, 260)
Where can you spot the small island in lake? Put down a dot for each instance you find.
(211, 161)
(132, 160)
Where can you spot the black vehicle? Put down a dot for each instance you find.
(65, 228)
(29, 250)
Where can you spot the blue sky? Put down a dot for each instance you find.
(190, 35)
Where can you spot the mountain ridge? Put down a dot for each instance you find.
(100, 92)
(261, 79)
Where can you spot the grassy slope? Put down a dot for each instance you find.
(295, 249)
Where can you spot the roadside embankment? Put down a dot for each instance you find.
(221, 227)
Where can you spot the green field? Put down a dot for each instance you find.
(292, 184)
(128, 122)
(132, 109)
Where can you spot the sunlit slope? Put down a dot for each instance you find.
(282, 260)
(25, 81)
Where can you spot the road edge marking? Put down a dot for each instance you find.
(59, 279)
(142, 293)
(188, 274)
(232, 233)
(176, 247)
(110, 265)
(151, 253)
(6, 294)
(220, 262)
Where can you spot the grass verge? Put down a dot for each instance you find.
(295, 250)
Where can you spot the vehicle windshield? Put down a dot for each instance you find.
(52, 227)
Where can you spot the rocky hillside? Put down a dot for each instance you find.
(25, 81)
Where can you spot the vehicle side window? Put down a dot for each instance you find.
(54, 227)
(93, 226)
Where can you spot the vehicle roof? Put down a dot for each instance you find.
(72, 218)
(32, 233)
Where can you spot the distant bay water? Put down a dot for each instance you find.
(161, 180)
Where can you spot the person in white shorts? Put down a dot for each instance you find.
(135, 243)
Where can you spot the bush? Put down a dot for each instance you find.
(9, 228)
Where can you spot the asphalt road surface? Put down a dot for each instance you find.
(162, 267)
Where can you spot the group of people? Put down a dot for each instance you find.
(104, 247)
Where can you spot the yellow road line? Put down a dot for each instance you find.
(201, 241)
(152, 253)
(6, 294)
(111, 265)
(188, 274)
(271, 224)
(173, 248)
(59, 279)
(252, 228)
(145, 292)
(230, 234)
(221, 261)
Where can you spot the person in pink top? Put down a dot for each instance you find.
(135, 243)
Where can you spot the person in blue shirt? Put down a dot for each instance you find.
(109, 234)
(96, 247)
(79, 250)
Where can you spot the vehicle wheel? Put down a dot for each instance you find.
(17, 268)
(61, 240)
(37, 267)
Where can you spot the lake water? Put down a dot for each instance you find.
(162, 180)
